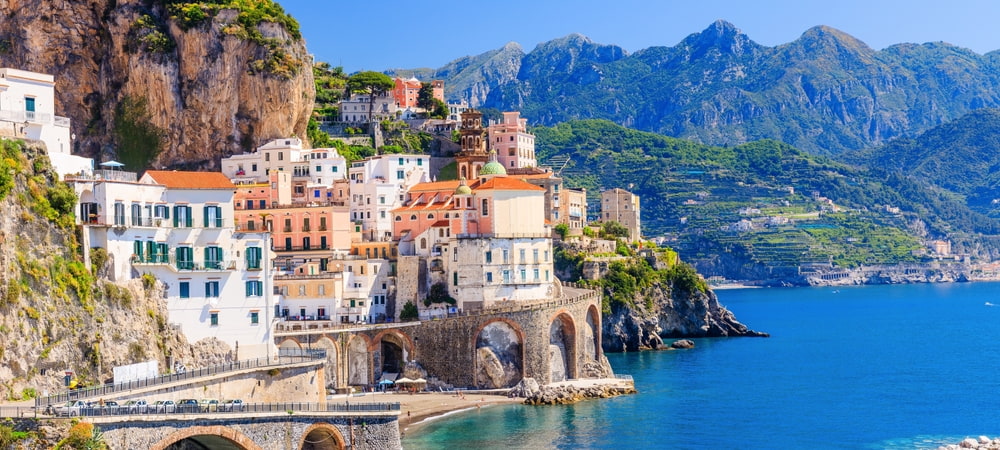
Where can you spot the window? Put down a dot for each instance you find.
(253, 258)
(399, 218)
(136, 214)
(185, 258)
(281, 156)
(211, 289)
(454, 278)
(213, 258)
(535, 253)
(322, 242)
(322, 292)
(119, 214)
(506, 256)
(253, 167)
(486, 206)
(420, 162)
(536, 275)
(254, 288)
(302, 291)
(319, 169)
(399, 174)
(489, 277)
(381, 214)
(213, 217)
(254, 317)
(506, 276)
(521, 254)
(185, 289)
(322, 224)
(214, 318)
(161, 212)
(546, 256)
(400, 161)
(524, 274)
(381, 199)
(267, 156)
(182, 216)
(137, 251)
(489, 257)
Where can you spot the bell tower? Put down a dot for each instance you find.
(473, 155)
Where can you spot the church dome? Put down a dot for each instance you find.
(493, 167)
(463, 189)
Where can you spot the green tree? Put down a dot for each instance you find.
(440, 110)
(372, 84)
(409, 312)
(562, 230)
(425, 97)
(613, 229)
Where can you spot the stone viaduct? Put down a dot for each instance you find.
(549, 341)
(278, 431)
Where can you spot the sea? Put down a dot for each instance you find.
(890, 366)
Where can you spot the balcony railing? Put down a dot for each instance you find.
(186, 265)
(105, 175)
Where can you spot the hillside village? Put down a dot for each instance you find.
(285, 238)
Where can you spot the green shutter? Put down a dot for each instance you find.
(204, 214)
(175, 216)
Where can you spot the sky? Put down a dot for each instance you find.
(388, 34)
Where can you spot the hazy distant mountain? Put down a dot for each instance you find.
(825, 92)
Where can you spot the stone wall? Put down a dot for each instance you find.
(277, 433)
(300, 384)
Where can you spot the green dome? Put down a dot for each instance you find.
(493, 168)
(463, 190)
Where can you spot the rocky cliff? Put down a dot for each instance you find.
(55, 314)
(156, 88)
(663, 312)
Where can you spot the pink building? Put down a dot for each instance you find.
(515, 147)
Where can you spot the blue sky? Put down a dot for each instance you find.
(408, 34)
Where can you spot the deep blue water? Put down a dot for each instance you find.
(907, 366)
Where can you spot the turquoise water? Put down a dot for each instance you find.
(909, 366)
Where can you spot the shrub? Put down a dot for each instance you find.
(409, 312)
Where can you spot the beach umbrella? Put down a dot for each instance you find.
(420, 380)
(404, 380)
(112, 163)
(385, 382)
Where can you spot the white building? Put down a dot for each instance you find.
(378, 185)
(308, 167)
(178, 227)
(354, 109)
(27, 110)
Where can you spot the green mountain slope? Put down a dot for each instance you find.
(769, 202)
(959, 156)
(825, 92)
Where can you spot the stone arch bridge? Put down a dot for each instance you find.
(280, 431)
(549, 341)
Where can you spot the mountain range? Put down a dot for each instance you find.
(826, 92)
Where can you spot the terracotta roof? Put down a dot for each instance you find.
(435, 186)
(440, 223)
(190, 180)
(508, 184)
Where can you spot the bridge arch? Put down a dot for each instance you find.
(562, 347)
(359, 360)
(499, 354)
(290, 342)
(206, 437)
(394, 349)
(330, 366)
(322, 436)
(593, 333)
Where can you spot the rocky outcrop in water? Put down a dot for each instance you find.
(567, 394)
(189, 93)
(697, 314)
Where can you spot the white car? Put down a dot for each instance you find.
(71, 408)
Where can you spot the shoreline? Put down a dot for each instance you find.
(422, 408)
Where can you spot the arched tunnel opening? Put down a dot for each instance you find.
(322, 439)
(392, 357)
(205, 442)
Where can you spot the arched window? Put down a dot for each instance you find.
(423, 243)
(399, 218)
(413, 217)
(430, 216)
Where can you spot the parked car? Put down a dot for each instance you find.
(71, 408)
(164, 406)
(112, 407)
(188, 405)
(232, 405)
(209, 405)
(136, 407)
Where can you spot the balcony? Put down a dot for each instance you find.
(105, 175)
(183, 265)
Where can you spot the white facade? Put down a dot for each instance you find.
(27, 110)
(355, 108)
(378, 185)
(353, 290)
(320, 166)
(217, 281)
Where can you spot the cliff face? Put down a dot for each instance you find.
(673, 315)
(55, 314)
(177, 96)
